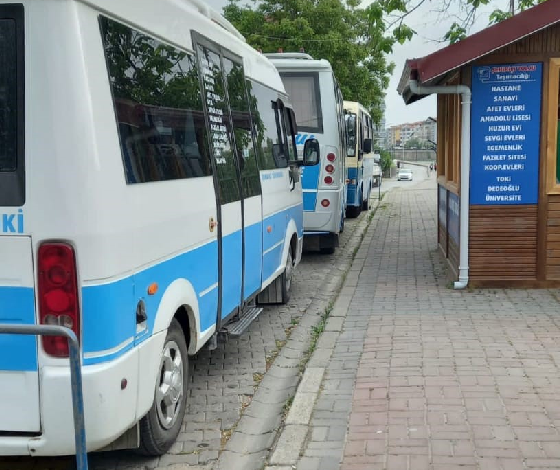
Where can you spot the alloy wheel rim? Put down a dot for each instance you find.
(289, 271)
(170, 388)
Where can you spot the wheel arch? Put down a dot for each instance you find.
(290, 242)
(180, 301)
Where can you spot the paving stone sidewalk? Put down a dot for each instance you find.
(417, 376)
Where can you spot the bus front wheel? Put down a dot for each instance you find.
(160, 427)
(287, 278)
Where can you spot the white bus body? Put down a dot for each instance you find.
(147, 196)
(318, 104)
(363, 173)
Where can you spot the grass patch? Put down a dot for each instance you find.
(287, 406)
(257, 378)
(270, 357)
(226, 436)
(316, 332)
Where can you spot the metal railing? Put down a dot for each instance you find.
(75, 379)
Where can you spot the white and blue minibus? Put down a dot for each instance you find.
(319, 109)
(150, 198)
(363, 173)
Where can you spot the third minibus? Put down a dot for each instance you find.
(362, 170)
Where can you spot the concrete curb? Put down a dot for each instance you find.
(294, 434)
(259, 426)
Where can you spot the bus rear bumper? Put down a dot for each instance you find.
(110, 399)
(326, 220)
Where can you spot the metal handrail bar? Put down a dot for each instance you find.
(75, 379)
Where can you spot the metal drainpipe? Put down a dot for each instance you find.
(465, 93)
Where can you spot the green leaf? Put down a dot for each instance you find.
(456, 33)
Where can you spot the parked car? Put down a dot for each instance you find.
(404, 175)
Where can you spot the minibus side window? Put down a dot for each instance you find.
(243, 135)
(219, 119)
(12, 167)
(263, 103)
(351, 134)
(291, 134)
(280, 150)
(159, 113)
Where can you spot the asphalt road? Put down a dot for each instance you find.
(420, 173)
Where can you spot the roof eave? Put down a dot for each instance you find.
(436, 66)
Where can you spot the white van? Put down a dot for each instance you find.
(149, 192)
(319, 109)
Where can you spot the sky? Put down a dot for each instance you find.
(430, 27)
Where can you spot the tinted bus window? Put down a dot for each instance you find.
(271, 151)
(158, 108)
(243, 135)
(12, 187)
(305, 96)
(8, 96)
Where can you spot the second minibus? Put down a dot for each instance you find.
(319, 108)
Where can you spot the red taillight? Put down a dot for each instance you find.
(58, 294)
(325, 203)
(331, 157)
(329, 168)
(328, 180)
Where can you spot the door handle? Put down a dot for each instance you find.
(212, 224)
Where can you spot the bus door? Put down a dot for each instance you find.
(235, 174)
(250, 181)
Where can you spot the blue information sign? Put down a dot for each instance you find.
(505, 134)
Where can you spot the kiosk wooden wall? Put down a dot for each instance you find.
(515, 245)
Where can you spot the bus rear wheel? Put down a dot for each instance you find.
(160, 427)
(354, 211)
(365, 204)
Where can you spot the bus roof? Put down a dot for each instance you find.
(355, 106)
(298, 61)
(174, 20)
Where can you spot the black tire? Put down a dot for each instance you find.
(287, 278)
(365, 203)
(353, 211)
(157, 437)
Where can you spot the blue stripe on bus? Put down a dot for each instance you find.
(352, 198)
(108, 310)
(310, 201)
(253, 258)
(17, 307)
(310, 176)
(101, 302)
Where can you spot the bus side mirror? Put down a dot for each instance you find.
(311, 152)
(367, 146)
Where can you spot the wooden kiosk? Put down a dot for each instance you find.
(512, 227)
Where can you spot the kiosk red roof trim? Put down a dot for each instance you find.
(427, 70)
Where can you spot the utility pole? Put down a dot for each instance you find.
(512, 7)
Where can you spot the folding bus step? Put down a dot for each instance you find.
(236, 327)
